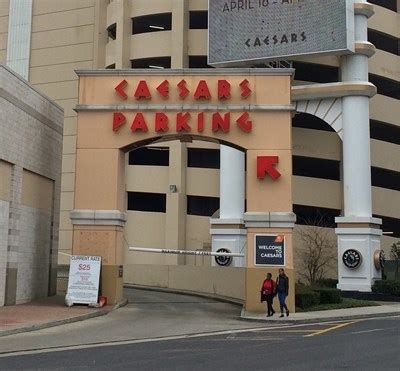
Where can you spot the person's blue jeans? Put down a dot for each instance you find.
(282, 298)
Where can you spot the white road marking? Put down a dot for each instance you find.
(373, 330)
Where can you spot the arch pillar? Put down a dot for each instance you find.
(99, 215)
(228, 231)
(357, 229)
(358, 233)
(269, 210)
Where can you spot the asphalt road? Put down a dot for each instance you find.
(357, 345)
(149, 314)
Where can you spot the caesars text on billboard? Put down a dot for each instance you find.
(260, 30)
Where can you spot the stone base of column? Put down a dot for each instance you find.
(268, 223)
(100, 233)
(358, 250)
(229, 234)
(112, 283)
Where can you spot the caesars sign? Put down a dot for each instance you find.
(276, 29)
(184, 122)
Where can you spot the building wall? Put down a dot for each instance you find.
(4, 10)
(67, 35)
(63, 40)
(30, 173)
(5, 194)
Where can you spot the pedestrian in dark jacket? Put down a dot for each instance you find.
(282, 288)
(268, 293)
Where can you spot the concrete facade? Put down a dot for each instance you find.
(30, 172)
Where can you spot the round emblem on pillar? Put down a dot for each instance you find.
(379, 259)
(351, 259)
(223, 260)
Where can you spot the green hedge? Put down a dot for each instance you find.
(387, 287)
(327, 282)
(305, 297)
(328, 296)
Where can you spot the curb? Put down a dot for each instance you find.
(98, 313)
(245, 317)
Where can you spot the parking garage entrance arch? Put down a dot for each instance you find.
(119, 110)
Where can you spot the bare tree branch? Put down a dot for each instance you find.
(319, 250)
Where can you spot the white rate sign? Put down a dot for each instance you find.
(84, 277)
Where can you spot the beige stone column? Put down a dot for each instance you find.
(99, 215)
(175, 217)
(179, 34)
(100, 34)
(124, 32)
(175, 227)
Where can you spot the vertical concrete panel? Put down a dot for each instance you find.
(176, 202)
(19, 36)
(33, 254)
(5, 180)
(179, 34)
(4, 212)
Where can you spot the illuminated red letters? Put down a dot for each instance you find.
(120, 89)
(142, 90)
(265, 165)
(224, 89)
(183, 90)
(221, 123)
(244, 123)
(200, 122)
(119, 119)
(217, 121)
(202, 90)
(139, 123)
(246, 91)
(163, 89)
(182, 122)
(161, 123)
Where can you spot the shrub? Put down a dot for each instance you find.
(327, 282)
(328, 295)
(305, 297)
(387, 287)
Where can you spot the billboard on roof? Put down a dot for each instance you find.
(245, 32)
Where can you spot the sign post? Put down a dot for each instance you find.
(84, 277)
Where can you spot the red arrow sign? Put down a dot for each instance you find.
(265, 165)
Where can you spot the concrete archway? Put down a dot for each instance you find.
(248, 109)
(344, 106)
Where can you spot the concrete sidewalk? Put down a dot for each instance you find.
(380, 310)
(52, 311)
(44, 313)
